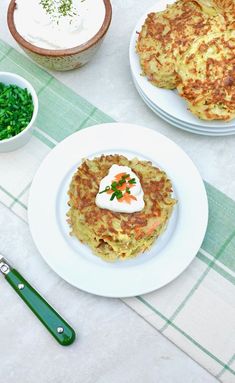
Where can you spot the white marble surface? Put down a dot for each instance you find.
(114, 344)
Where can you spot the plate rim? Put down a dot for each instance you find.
(210, 133)
(211, 129)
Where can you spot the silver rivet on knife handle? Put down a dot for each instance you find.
(4, 266)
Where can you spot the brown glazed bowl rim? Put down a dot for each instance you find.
(58, 52)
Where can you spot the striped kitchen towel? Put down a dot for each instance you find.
(197, 310)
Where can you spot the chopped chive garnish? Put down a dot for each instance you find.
(113, 196)
(57, 9)
(115, 187)
(105, 190)
(118, 194)
(121, 182)
(16, 110)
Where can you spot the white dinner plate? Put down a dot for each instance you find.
(187, 129)
(166, 100)
(74, 261)
(218, 132)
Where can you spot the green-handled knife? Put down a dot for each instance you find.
(56, 325)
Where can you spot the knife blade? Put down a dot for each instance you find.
(55, 324)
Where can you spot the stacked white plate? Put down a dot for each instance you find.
(167, 104)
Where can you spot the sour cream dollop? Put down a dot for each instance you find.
(131, 201)
(53, 31)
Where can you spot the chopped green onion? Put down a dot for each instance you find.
(132, 181)
(118, 194)
(58, 8)
(105, 190)
(16, 110)
(114, 187)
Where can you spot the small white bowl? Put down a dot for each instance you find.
(13, 143)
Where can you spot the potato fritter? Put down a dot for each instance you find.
(112, 235)
(166, 35)
(227, 8)
(224, 7)
(207, 72)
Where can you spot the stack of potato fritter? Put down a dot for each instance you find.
(191, 46)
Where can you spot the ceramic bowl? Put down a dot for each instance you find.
(23, 137)
(66, 59)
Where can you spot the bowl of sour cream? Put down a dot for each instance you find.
(59, 34)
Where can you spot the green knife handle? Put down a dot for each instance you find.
(56, 325)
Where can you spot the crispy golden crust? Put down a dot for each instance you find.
(167, 35)
(227, 8)
(118, 235)
(224, 7)
(207, 72)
